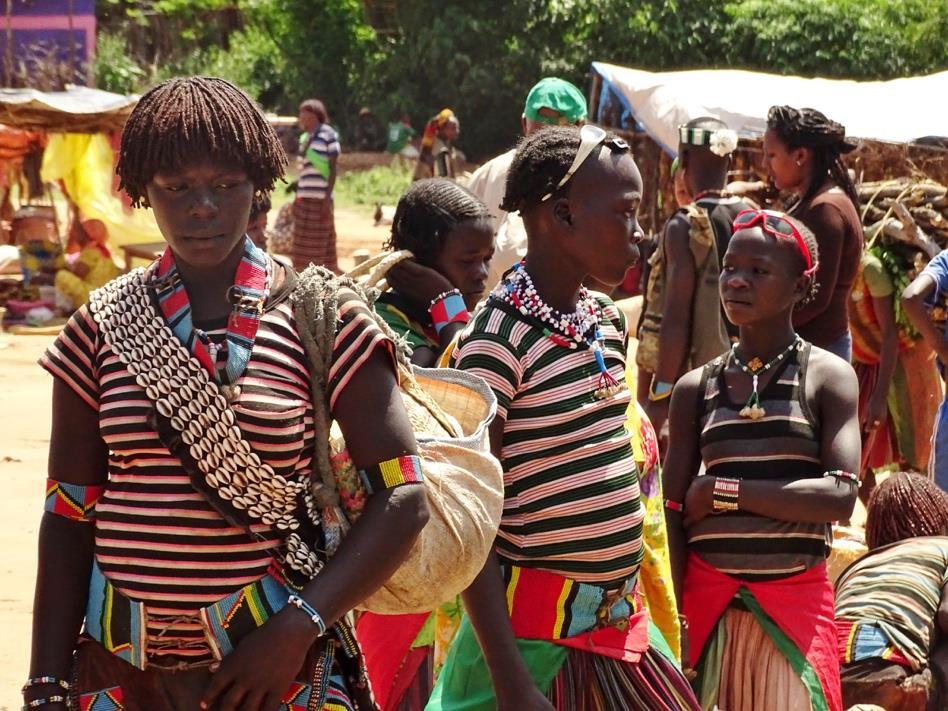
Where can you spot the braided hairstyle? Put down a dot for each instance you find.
(905, 505)
(427, 213)
(809, 128)
(809, 239)
(188, 117)
(541, 161)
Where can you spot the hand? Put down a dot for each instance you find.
(699, 500)
(417, 283)
(875, 413)
(657, 412)
(256, 675)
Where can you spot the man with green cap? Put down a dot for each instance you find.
(551, 102)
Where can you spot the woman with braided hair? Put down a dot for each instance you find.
(802, 150)
(892, 604)
(188, 530)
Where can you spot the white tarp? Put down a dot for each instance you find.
(900, 110)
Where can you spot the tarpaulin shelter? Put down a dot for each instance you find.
(80, 124)
(891, 118)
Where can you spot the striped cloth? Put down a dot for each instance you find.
(157, 539)
(410, 323)
(782, 445)
(316, 152)
(572, 502)
(314, 234)
(897, 589)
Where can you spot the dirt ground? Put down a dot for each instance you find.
(25, 391)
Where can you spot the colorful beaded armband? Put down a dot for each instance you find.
(448, 308)
(392, 473)
(40, 680)
(72, 501)
(36, 703)
(673, 505)
(840, 474)
(726, 494)
(301, 604)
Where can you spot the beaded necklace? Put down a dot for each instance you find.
(753, 409)
(565, 330)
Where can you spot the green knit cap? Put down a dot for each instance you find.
(559, 95)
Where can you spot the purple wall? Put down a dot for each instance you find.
(46, 23)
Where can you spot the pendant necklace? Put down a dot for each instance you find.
(755, 368)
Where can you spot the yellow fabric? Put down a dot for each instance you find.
(101, 270)
(84, 163)
(655, 571)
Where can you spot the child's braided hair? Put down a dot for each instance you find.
(189, 117)
(427, 213)
(903, 506)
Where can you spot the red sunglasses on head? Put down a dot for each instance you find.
(776, 224)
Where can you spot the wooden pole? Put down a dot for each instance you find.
(72, 41)
(8, 58)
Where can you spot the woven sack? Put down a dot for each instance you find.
(450, 412)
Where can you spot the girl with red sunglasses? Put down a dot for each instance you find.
(773, 426)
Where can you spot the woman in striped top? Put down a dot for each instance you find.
(774, 426)
(892, 604)
(184, 582)
(555, 619)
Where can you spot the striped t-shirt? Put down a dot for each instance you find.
(899, 589)
(784, 444)
(571, 492)
(316, 151)
(157, 539)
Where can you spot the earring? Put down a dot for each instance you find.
(799, 162)
(258, 194)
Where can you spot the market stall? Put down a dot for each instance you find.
(897, 131)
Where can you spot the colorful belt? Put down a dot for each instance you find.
(867, 640)
(547, 606)
(120, 624)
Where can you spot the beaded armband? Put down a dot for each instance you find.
(392, 473)
(314, 617)
(673, 505)
(840, 474)
(448, 308)
(726, 494)
(72, 501)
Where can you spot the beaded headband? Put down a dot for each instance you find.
(720, 141)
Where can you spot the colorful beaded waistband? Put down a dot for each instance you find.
(544, 605)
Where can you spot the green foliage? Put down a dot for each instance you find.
(480, 57)
(856, 39)
(381, 184)
(115, 70)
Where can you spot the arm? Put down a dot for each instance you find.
(77, 455)
(826, 223)
(681, 465)
(333, 172)
(674, 339)
(884, 307)
(913, 301)
(485, 602)
(373, 420)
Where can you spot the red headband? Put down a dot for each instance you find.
(776, 224)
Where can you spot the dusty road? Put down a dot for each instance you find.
(25, 391)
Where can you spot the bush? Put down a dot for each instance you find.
(115, 70)
(382, 184)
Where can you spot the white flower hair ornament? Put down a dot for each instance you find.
(722, 142)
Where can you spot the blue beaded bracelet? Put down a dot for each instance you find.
(301, 604)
